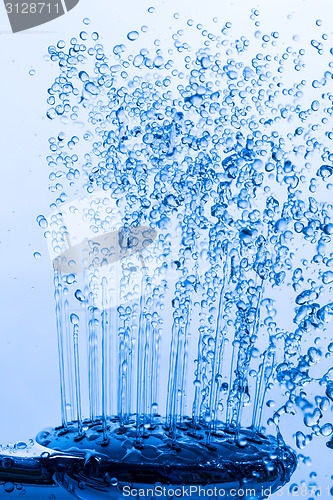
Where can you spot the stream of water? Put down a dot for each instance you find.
(191, 232)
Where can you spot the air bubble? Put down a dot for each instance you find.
(315, 105)
(8, 487)
(326, 430)
(74, 319)
(133, 35)
(42, 222)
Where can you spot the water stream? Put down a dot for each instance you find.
(191, 236)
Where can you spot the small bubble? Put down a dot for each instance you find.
(8, 487)
(151, 10)
(37, 255)
(74, 319)
(327, 277)
(21, 445)
(70, 278)
(326, 430)
(132, 35)
(42, 222)
(79, 295)
(158, 61)
(315, 105)
(32, 72)
(293, 489)
(138, 60)
(86, 21)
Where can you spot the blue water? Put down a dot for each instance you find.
(190, 234)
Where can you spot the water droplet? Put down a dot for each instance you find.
(327, 277)
(21, 445)
(158, 61)
(315, 105)
(293, 488)
(306, 297)
(326, 430)
(42, 221)
(74, 319)
(70, 279)
(8, 487)
(312, 419)
(79, 296)
(91, 88)
(138, 60)
(329, 390)
(314, 354)
(132, 35)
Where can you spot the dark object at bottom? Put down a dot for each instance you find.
(116, 463)
(159, 463)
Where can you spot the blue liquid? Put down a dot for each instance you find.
(161, 458)
(221, 160)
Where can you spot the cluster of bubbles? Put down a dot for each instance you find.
(215, 148)
(7, 451)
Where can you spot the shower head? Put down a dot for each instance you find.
(89, 468)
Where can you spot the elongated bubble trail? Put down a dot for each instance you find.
(58, 301)
(75, 323)
(105, 358)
